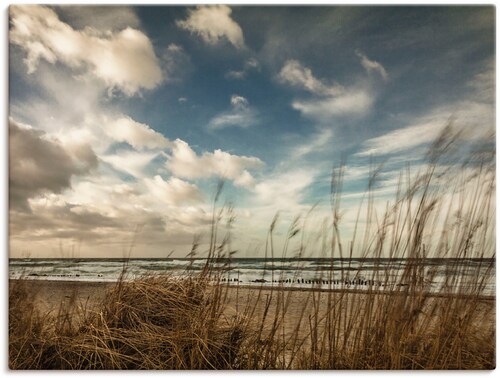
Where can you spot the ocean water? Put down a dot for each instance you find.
(438, 274)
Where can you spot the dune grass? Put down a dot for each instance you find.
(166, 322)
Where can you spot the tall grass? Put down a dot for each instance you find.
(166, 322)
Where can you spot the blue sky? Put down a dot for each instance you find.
(124, 118)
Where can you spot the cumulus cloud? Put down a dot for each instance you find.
(328, 99)
(102, 212)
(174, 191)
(184, 162)
(371, 65)
(39, 165)
(138, 135)
(124, 60)
(241, 114)
(145, 200)
(213, 23)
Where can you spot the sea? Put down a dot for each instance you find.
(434, 274)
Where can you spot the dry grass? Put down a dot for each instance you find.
(166, 323)
(162, 322)
(151, 323)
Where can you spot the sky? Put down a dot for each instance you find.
(123, 120)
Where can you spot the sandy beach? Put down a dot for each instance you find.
(279, 327)
(258, 304)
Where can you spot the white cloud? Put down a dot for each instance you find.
(295, 74)
(329, 100)
(285, 191)
(402, 139)
(138, 135)
(124, 60)
(191, 216)
(239, 101)
(173, 191)
(355, 102)
(62, 103)
(213, 23)
(371, 65)
(475, 121)
(241, 114)
(105, 194)
(130, 162)
(184, 162)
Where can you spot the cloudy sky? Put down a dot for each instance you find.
(123, 120)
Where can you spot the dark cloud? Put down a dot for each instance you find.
(39, 165)
(60, 222)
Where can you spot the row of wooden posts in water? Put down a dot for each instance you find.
(354, 282)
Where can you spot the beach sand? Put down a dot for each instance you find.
(286, 324)
(295, 307)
